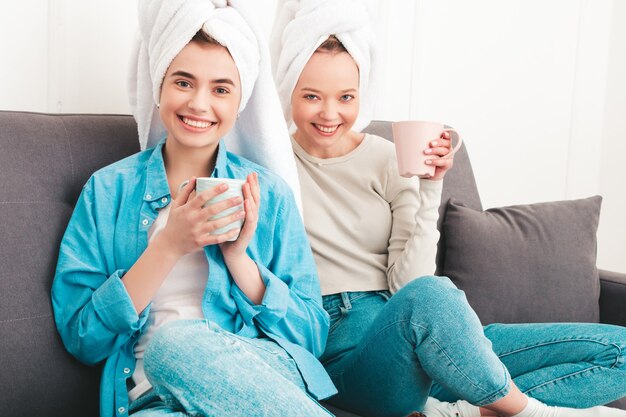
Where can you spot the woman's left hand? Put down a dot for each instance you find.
(251, 202)
(440, 148)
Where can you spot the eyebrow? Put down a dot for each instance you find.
(224, 81)
(182, 74)
(313, 90)
(192, 77)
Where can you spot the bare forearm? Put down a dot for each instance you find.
(247, 277)
(145, 277)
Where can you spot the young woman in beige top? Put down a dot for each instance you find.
(398, 333)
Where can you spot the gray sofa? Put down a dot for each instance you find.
(45, 159)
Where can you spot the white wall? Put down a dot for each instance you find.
(23, 55)
(612, 233)
(536, 87)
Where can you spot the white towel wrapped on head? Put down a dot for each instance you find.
(301, 26)
(165, 27)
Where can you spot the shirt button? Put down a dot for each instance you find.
(127, 370)
(164, 200)
(148, 197)
(144, 222)
(121, 410)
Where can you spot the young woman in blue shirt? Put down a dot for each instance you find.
(186, 321)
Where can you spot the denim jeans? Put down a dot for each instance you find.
(387, 354)
(196, 368)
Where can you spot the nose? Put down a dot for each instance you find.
(329, 110)
(200, 101)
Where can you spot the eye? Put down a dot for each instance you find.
(221, 90)
(183, 84)
(310, 97)
(347, 97)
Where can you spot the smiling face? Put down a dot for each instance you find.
(200, 96)
(325, 105)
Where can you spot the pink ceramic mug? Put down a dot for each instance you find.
(412, 138)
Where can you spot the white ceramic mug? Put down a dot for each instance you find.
(234, 189)
(412, 138)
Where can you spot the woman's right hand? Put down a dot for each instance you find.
(188, 227)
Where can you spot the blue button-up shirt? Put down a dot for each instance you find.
(108, 232)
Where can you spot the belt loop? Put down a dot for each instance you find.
(347, 306)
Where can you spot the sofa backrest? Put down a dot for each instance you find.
(44, 162)
(45, 159)
(459, 183)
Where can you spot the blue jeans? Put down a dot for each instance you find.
(196, 368)
(387, 354)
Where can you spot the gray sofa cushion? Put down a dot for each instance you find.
(539, 260)
(45, 160)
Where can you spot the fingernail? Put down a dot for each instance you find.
(428, 162)
(434, 143)
(428, 150)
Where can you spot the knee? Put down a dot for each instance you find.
(618, 346)
(430, 290)
(429, 296)
(171, 350)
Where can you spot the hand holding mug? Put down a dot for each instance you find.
(204, 219)
(441, 149)
(251, 202)
(423, 148)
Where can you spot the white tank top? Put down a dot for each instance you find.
(179, 298)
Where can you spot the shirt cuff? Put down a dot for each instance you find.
(432, 185)
(114, 306)
(274, 304)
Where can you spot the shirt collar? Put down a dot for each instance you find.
(220, 161)
(157, 187)
(156, 179)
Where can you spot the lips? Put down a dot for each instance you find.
(329, 130)
(198, 124)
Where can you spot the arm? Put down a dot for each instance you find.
(93, 312)
(291, 307)
(415, 256)
(241, 267)
(98, 310)
(414, 235)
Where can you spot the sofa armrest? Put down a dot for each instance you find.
(612, 297)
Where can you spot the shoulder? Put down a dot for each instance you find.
(121, 177)
(380, 144)
(387, 166)
(377, 151)
(130, 165)
(378, 156)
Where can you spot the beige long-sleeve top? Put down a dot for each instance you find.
(370, 228)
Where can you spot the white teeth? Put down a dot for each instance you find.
(196, 123)
(327, 129)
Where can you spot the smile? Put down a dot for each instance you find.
(326, 129)
(200, 124)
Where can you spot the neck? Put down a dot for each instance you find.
(182, 163)
(340, 147)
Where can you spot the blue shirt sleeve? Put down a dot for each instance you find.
(92, 309)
